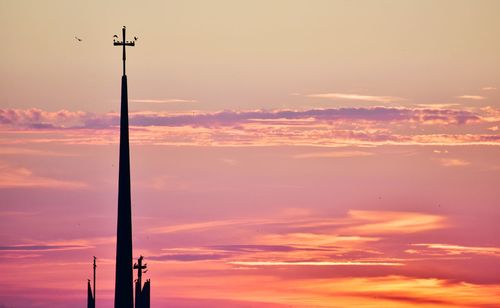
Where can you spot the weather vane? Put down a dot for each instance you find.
(124, 43)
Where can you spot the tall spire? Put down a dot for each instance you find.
(124, 271)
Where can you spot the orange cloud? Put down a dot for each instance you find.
(266, 289)
(400, 291)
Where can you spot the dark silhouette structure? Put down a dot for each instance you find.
(124, 272)
(142, 294)
(90, 296)
(124, 297)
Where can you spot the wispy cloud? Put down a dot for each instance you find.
(19, 177)
(440, 151)
(384, 222)
(336, 154)
(488, 88)
(315, 263)
(200, 226)
(41, 247)
(28, 151)
(163, 101)
(317, 239)
(438, 106)
(357, 97)
(16, 213)
(453, 162)
(472, 97)
(187, 257)
(450, 249)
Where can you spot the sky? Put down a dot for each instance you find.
(283, 153)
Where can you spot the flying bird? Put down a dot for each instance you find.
(115, 36)
(135, 38)
(78, 39)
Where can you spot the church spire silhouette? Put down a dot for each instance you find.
(124, 271)
(142, 293)
(90, 295)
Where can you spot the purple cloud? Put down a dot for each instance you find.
(38, 119)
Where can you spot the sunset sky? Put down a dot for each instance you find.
(283, 153)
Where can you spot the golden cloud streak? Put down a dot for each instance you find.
(458, 249)
(314, 263)
(339, 154)
(357, 97)
(381, 222)
(453, 162)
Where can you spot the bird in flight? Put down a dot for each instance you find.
(135, 38)
(115, 36)
(78, 39)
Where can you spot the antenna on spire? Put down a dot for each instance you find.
(123, 43)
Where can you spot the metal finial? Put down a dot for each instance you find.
(123, 43)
